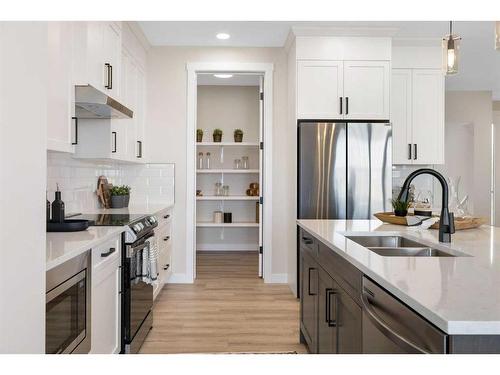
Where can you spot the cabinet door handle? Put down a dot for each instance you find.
(166, 238)
(409, 151)
(108, 77)
(340, 105)
(167, 266)
(415, 152)
(309, 282)
(166, 216)
(346, 105)
(114, 142)
(139, 149)
(76, 131)
(108, 253)
(331, 293)
(307, 240)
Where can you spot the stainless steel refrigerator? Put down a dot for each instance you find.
(344, 169)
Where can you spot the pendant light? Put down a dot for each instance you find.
(497, 35)
(451, 46)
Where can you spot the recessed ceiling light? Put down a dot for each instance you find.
(223, 75)
(223, 36)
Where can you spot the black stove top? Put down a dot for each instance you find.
(110, 220)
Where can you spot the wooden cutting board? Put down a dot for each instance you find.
(461, 223)
(103, 191)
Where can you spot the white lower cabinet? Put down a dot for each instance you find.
(417, 116)
(106, 300)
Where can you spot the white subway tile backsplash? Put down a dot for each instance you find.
(77, 179)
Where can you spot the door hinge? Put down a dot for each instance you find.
(261, 200)
(262, 96)
(261, 251)
(261, 146)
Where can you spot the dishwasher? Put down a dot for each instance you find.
(391, 327)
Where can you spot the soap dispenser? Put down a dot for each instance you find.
(58, 208)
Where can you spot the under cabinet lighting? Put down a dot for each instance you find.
(223, 75)
(451, 46)
(223, 36)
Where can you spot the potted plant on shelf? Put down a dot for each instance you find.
(199, 135)
(238, 135)
(120, 196)
(400, 207)
(217, 135)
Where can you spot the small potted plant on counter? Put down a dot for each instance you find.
(217, 135)
(238, 135)
(400, 207)
(120, 196)
(199, 135)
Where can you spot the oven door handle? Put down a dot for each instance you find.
(53, 293)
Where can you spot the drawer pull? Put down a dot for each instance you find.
(166, 238)
(307, 240)
(166, 216)
(167, 266)
(107, 254)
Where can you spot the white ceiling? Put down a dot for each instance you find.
(479, 67)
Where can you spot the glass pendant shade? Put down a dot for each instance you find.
(451, 53)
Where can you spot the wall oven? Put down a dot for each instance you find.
(67, 309)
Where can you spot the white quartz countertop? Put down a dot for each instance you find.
(460, 295)
(63, 246)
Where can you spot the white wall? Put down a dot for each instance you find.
(166, 118)
(23, 92)
(469, 111)
(496, 122)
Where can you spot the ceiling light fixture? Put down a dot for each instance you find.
(223, 36)
(223, 75)
(451, 46)
(497, 35)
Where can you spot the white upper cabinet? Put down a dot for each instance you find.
(428, 116)
(366, 90)
(417, 105)
(320, 88)
(401, 104)
(104, 56)
(343, 78)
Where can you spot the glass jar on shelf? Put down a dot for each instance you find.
(244, 162)
(225, 190)
(207, 161)
(200, 160)
(218, 189)
(237, 163)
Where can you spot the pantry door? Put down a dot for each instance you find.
(261, 173)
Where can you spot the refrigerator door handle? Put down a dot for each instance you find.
(409, 151)
(340, 98)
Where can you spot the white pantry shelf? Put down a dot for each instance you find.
(245, 144)
(235, 171)
(226, 225)
(226, 198)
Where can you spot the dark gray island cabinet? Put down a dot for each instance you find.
(342, 311)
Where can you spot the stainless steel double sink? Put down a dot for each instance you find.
(397, 246)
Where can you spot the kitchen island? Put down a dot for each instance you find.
(457, 294)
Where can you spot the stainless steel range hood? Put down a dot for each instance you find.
(90, 103)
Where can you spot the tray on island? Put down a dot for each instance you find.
(69, 225)
(460, 222)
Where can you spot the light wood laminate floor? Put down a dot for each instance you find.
(227, 309)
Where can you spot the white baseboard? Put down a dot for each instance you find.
(277, 278)
(179, 278)
(227, 247)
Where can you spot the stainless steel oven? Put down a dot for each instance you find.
(67, 309)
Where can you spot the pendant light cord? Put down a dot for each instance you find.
(451, 22)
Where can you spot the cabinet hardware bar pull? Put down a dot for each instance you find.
(415, 151)
(111, 77)
(309, 282)
(114, 142)
(307, 240)
(139, 143)
(76, 131)
(166, 238)
(167, 266)
(107, 76)
(409, 151)
(330, 293)
(107, 254)
(346, 105)
(166, 216)
(340, 105)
